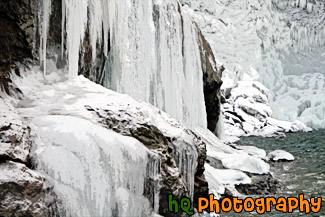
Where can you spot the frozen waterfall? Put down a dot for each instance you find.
(150, 47)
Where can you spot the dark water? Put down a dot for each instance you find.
(305, 175)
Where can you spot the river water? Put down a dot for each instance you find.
(305, 175)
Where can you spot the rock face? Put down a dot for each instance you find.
(23, 30)
(16, 35)
(23, 192)
(212, 82)
(14, 136)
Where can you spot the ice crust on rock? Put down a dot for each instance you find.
(245, 163)
(228, 176)
(254, 151)
(280, 155)
(235, 163)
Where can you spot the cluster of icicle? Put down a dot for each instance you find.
(306, 23)
(150, 47)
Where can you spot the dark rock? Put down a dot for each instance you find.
(16, 36)
(93, 70)
(215, 163)
(261, 185)
(212, 82)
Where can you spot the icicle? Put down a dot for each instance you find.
(76, 17)
(220, 131)
(63, 29)
(44, 30)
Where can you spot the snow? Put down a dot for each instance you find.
(245, 163)
(278, 155)
(228, 176)
(253, 151)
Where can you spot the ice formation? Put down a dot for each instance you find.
(280, 43)
(150, 47)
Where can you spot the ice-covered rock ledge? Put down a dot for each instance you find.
(111, 145)
(248, 112)
(116, 148)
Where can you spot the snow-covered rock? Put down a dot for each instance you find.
(228, 176)
(280, 155)
(254, 151)
(25, 192)
(14, 135)
(248, 112)
(245, 163)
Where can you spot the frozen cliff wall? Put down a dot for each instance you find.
(279, 43)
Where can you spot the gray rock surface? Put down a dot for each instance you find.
(24, 192)
(16, 36)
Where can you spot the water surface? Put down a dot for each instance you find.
(305, 175)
